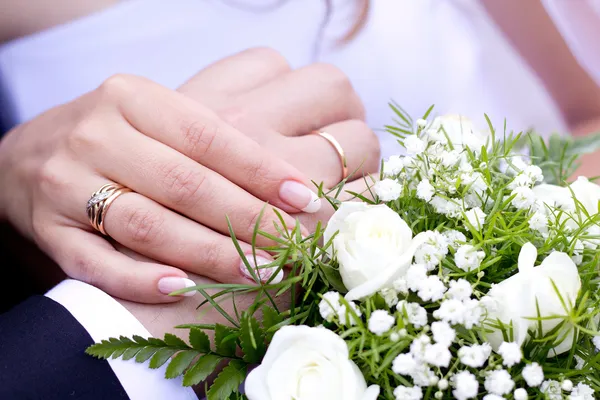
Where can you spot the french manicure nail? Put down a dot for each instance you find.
(263, 273)
(299, 196)
(170, 284)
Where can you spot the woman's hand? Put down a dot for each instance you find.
(187, 168)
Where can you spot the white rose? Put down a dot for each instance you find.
(459, 129)
(374, 247)
(516, 299)
(588, 193)
(304, 363)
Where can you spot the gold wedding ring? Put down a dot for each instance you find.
(98, 204)
(338, 148)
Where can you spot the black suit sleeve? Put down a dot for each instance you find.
(42, 356)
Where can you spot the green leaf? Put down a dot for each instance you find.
(225, 338)
(252, 339)
(333, 277)
(145, 354)
(228, 381)
(179, 363)
(131, 352)
(270, 317)
(199, 340)
(203, 367)
(174, 341)
(161, 357)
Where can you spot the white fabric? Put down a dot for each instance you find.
(103, 317)
(579, 23)
(415, 52)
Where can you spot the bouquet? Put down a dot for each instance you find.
(468, 270)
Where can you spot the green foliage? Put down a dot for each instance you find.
(243, 342)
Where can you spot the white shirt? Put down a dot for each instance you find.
(103, 317)
(421, 52)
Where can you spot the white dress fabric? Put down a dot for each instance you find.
(415, 52)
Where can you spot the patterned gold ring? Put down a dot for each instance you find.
(338, 148)
(98, 204)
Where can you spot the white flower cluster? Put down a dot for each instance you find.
(331, 307)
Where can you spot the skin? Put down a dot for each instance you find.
(190, 165)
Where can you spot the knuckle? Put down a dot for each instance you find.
(271, 57)
(335, 76)
(259, 173)
(83, 137)
(116, 87)
(198, 138)
(51, 176)
(370, 142)
(143, 226)
(212, 255)
(263, 219)
(182, 185)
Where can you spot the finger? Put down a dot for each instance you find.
(91, 259)
(193, 130)
(219, 83)
(175, 181)
(320, 159)
(163, 235)
(303, 100)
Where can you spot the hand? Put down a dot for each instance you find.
(188, 170)
(257, 92)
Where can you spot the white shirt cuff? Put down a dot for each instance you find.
(103, 317)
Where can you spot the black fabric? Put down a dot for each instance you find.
(42, 356)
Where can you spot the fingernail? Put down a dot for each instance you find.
(299, 196)
(170, 284)
(263, 273)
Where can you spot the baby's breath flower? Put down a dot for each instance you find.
(443, 333)
(431, 289)
(499, 382)
(476, 217)
(524, 198)
(473, 313)
(520, 180)
(520, 394)
(394, 336)
(460, 289)
(442, 384)
(596, 341)
(388, 189)
(552, 390)
(408, 393)
(347, 318)
(433, 251)
(454, 237)
(465, 384)
(533, 374)
(534, 173)
(566, 385)
(393, 166)
(492, 397)
(474, 356)
(421, 122)
(468, 258)
(329, 305)
(539, 222)
(452, 311)
(425, 190)
(437, 355)
(414, 145)
(416, 314)
(400, 285)
(390, 296)
(418, 345)
(415, 275)
(450, 158)
(450, 208)
(380, 322)
(404, 364)
(423, 376)
(511, 353)
(582, 392)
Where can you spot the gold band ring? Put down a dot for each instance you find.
(338, 148)
(98, 204)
